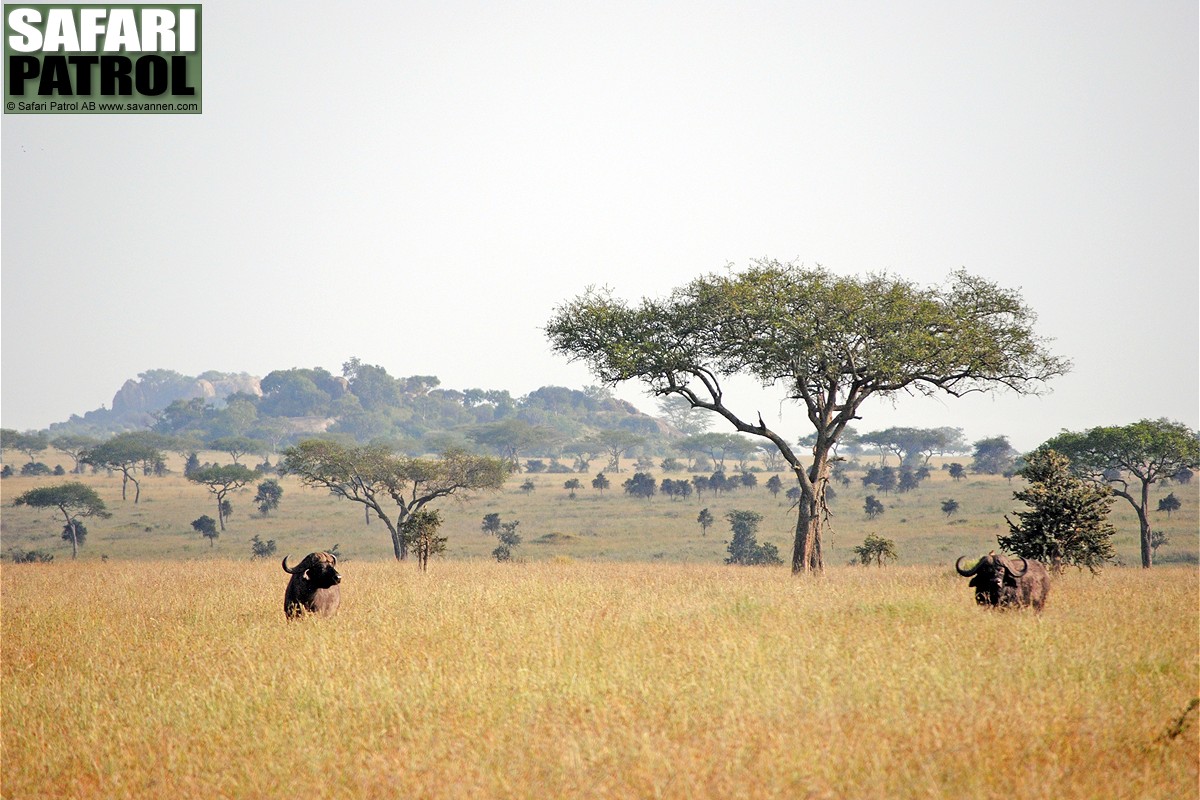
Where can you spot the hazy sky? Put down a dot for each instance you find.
(420, 184)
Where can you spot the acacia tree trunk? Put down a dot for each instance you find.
(74, 534)
(807, 552)
(1144, 524)
(399, 545)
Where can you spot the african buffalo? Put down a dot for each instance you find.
(998, 582)
(313, 587)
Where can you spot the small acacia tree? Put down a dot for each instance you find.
(73, 500)
(705, 518)
(744, 547)
(509, 538)
(872, 507)
(206, 526)
(1067, 520)
(127, 452)
(875, 548)
(420, 531)
(268, 496)
(221, 480)
(828, 341)
(1169, 504)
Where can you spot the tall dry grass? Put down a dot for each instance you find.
(569, 679)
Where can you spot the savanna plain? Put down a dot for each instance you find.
(615, 656)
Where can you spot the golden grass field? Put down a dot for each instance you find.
(573, 679)
(617, 657)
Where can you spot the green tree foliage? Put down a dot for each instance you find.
(873, 507)
(30, 443)
(127, 452)
(206, 526)
(571, 486)
(875, 548)
(511, 437)
(509, 538)
(957, 471)
(373, 474)
(1169, 504)
(221, 480)
(1067, 521)
(774, 485)
(75, 446)
(705, 518)
(491, 524)
(883, 478)
(261, 549)
(744, 547)
(993, 456)
(237, 446)
(420, 532)
(298, 393)
(73, 501)
(950, 507)
(1129, 459)
(375, 389)
(680, 414)
(915, 446)
(828, 341)
(75, 532)
(617, 443)
(270, 492)
(600, 482)
(641, 485)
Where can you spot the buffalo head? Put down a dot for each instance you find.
(313, 587)
(998, 581)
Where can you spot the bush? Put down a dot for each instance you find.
(744, 547)
(877, 549)
(261, 549)
(30, 557)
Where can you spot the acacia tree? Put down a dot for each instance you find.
(127, 452)
(30, 443)
(616, 443)
(875, 548)
(372, 475)
(420, 532)
(74, 500)
(75, 446)
(1142, 454)
(221, 480)
(830, 342)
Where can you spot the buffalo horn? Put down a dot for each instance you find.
(966, 573)
(291, 571)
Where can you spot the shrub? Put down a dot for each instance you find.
(744, 547)
(261, 549)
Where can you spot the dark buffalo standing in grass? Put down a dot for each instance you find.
(313, 588)
(998, 582)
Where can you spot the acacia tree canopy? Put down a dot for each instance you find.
(826, 341)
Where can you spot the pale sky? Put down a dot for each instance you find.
(419, 185)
